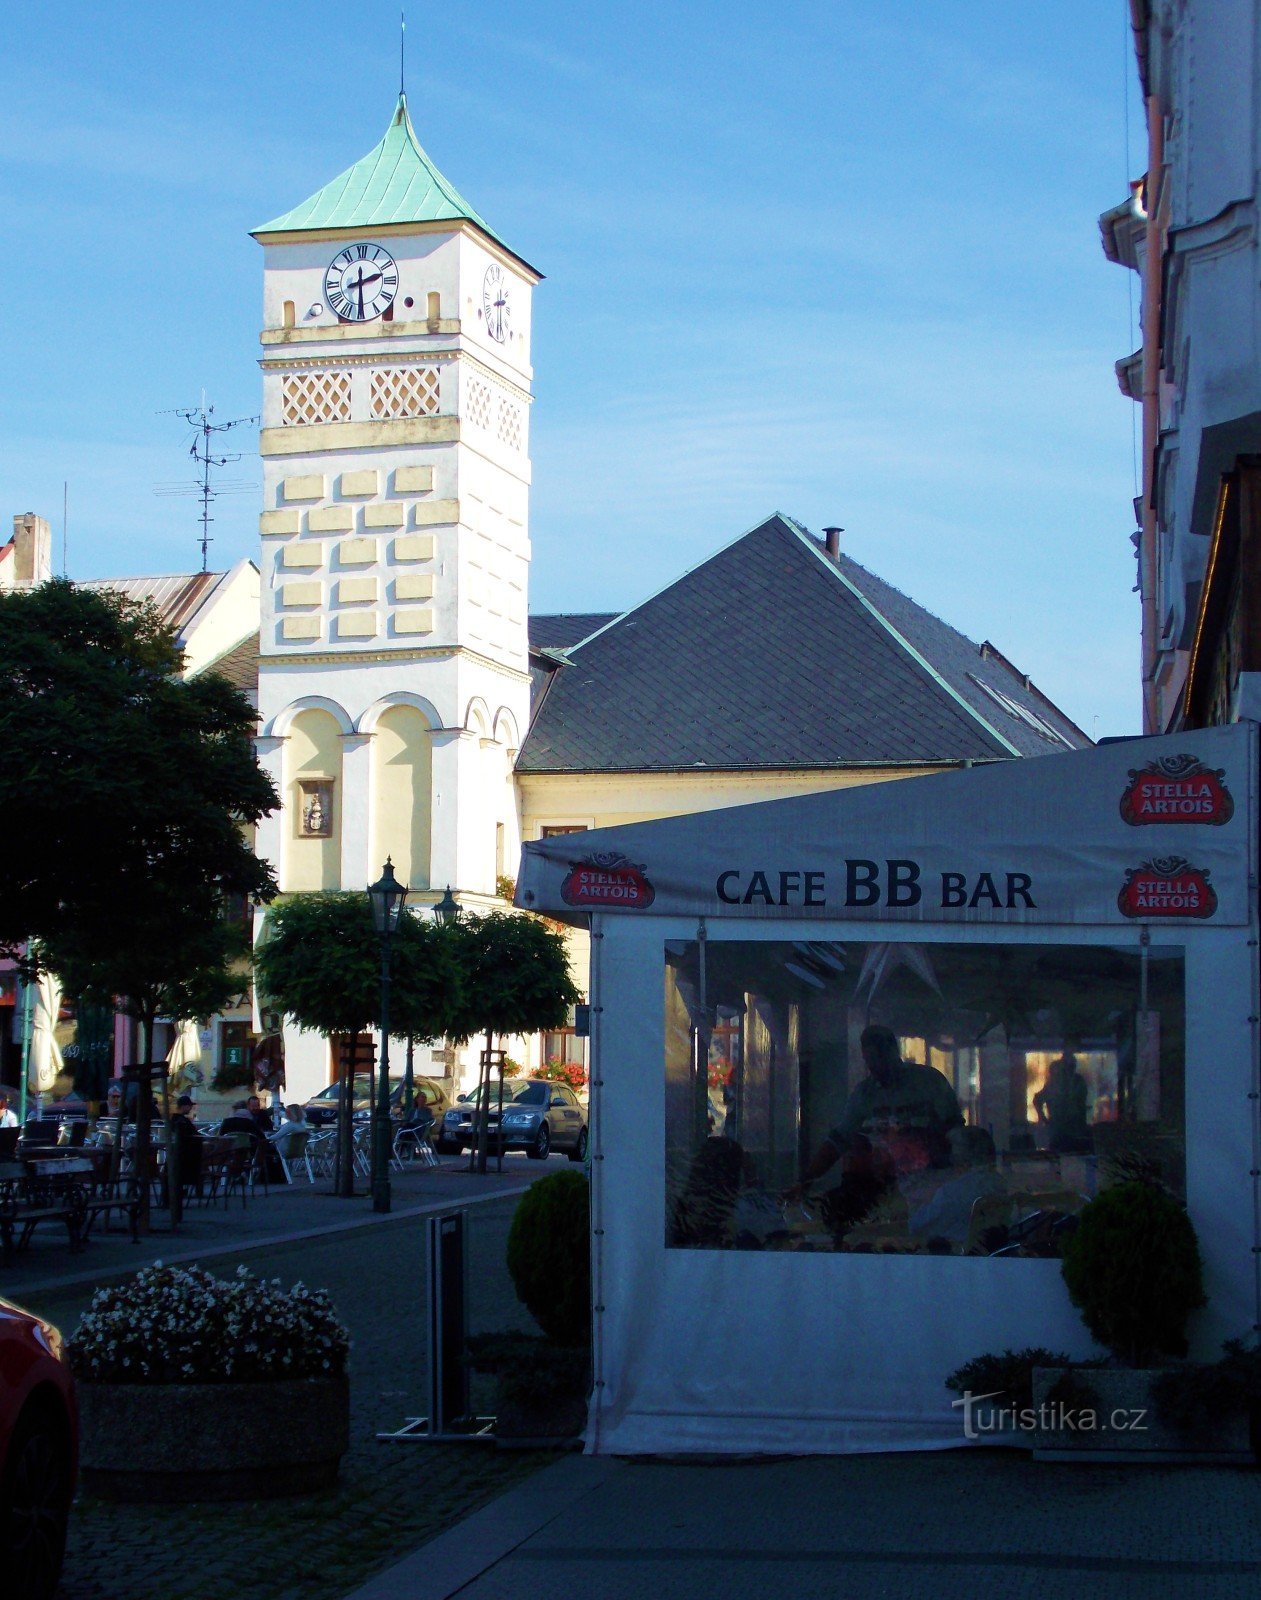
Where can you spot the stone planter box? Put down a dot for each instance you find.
(1108, 1415)
(167, 1443)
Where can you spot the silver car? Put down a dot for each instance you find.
(538, 1117)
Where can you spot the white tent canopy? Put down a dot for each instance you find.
(1061, 947)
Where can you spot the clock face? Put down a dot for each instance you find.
(361, 282)
(495, 303)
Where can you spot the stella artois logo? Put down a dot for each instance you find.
(607, 880)
(1177, 789)
(1167, 886)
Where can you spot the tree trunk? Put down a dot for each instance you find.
(483, 1118)
(345, 1121)
(144, 1123)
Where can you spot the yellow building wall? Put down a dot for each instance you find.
(312, 750)
(402, 790)
(607, 800)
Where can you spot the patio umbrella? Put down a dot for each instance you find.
(46, 1065)
(184, 1057)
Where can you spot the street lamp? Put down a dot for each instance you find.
(447, 909)
(386, 897)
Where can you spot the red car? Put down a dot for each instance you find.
(39, 1454)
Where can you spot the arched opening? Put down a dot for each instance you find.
(435, 305)
(287, 314)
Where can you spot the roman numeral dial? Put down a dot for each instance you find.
(361, 282)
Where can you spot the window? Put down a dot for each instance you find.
(953, 1099)
(553, 830)
(1013, 708)
(287, 314)
(434, 304)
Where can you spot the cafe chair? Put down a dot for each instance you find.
(293, 1151)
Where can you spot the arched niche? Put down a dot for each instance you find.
(505, 729)
(314, 799)
(402, 791)
(477, 717)
(282, 723)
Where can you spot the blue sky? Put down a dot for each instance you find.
(837, 259)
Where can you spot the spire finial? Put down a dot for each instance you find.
(402, 55)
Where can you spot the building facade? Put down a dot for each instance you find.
(393, 677)
(1189, 228)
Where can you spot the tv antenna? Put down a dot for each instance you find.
(208, 459)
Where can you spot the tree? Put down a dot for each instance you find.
(118, 773)
(515, 978)
(320, 962)
(177, 955)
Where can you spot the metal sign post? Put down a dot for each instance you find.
(447, 1270)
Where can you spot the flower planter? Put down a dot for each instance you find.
(166, 1443)
(1109, 1415)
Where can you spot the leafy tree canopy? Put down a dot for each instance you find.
(320, 962)
(169, 958)
(118, 774)
(516, 976)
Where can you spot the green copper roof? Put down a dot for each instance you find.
(395, 183)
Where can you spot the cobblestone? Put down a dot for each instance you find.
(392, 1496)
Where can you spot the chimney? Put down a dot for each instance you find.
(32, 559)
(832, 541)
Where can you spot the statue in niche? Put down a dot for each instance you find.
(317, 819)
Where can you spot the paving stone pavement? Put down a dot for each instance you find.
(391, 1496)
(953, 1525)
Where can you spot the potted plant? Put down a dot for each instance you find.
(1206, 1402)
(543, 1383)
(193, 1387)
(1132, 1268)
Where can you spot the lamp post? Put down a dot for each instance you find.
(386, 896)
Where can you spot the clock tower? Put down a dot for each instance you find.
(393, 674)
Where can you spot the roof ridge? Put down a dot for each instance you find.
(687, 573)
(810, 544)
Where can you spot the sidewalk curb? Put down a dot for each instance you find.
(456, 1558)
(179, 1257)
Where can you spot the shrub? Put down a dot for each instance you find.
(1008, 1376)
(1195, 1398)
(1133, 1270)
(181, 1325)
(531, 1371)
(549, 1256)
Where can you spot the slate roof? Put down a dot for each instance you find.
(769, 655)
(395, 183)
(239, 666)
(566, 628)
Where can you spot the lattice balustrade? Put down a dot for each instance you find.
(315, 397)
(510, 424)
(477, 403)
(405, 392)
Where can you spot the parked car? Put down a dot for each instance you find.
(321, 1110)
(538, 1117)
(39, 1454)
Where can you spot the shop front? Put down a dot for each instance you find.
(860, 1058)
